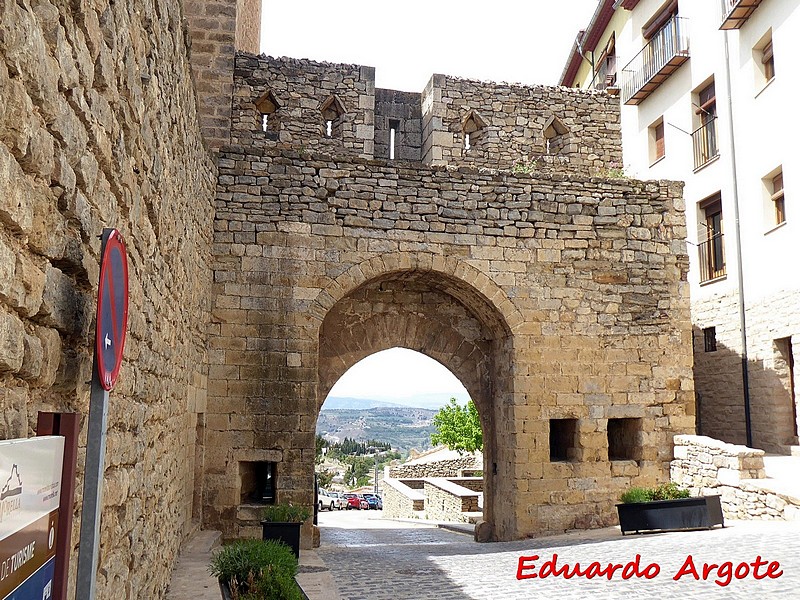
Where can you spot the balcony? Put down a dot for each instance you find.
(736, 12)
(667, 50)
(704, 141)
(712, 258)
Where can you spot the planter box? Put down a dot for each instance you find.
(288, 533)
(225, 590)
(670, 515)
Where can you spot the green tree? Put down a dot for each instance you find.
(458, 427)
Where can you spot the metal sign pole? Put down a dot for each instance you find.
(92, 489)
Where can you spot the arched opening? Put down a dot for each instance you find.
(446, 319)
(374, 439)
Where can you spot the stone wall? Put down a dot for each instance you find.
(445, 501)
(574, 288)
(773, 324)
(401, 501)
(440, 468)
(512, 124)
(301, 88)
(98, 128)
(706, 466)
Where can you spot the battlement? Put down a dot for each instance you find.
(336, 109)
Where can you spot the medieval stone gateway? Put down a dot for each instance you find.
(558, 298)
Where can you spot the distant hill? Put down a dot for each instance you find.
(427, 401)
(403, 427)
(336, 403)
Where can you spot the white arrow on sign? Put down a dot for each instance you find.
(107, 341)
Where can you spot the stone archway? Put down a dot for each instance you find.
(445, 318)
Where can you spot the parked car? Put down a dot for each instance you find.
(341, 501)
(363, 504)
(326, 500)
(374, 501)
(353, 501)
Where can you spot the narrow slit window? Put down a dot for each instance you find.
(394, 126)
(710, 339)
(329, 128)
(264, 119)
(466, 141)
(777, 199)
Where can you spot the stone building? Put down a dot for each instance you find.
(285, 219)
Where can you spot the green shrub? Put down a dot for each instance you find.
(274, 585)
(665, 491)
(244, 563)
(286, 513)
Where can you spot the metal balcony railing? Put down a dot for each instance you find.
(736, 12)
(704, 140)
(665, 52)
(712, 258)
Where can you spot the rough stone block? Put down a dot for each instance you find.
(12, 342)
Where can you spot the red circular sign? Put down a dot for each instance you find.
(112, 308)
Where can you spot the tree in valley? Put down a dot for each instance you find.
(458, 427)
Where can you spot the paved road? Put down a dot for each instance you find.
(375, 559)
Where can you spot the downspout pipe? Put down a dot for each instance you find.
(739, 268)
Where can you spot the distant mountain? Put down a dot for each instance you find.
(402, 427)
(336, 403)
(426, 401)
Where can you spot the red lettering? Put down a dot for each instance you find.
(707, 568)
(739, 574)
(651, 570)
(687, 568)
(771, 570)
(758, 563)
(611, 569)
(594, 570)
(632, 568)
(522, 566)
(725, 571)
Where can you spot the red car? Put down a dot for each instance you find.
(353, 501)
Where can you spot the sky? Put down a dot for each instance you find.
(519, 41)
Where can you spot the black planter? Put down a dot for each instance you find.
(670, 515)
(225, 588)
(288, 533)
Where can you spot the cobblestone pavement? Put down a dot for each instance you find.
(375, 559)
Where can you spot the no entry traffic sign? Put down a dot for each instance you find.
(112, 308)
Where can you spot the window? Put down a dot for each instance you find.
(710, 339)
(563, 439)
(267, 106)
(764, 60)
(777, 199)
(257, 482)
(606, 76)
(656, 139)
(704, 137)
(394, 126)
(710, 236)
(473, 127)
(556, 138)
(333, 115)
(624, 439)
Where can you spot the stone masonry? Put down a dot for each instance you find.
(98, 128)
(718, 373)
(707, 466)
(550, 294)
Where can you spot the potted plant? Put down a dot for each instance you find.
(255, 569)
(282, 522)
(667, 508)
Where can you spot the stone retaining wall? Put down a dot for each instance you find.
(401, 501)
(99, 128)
(439, 468)
(445, 501)
(706, 466)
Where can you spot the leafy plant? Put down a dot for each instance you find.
(458, 427)
(666, 491)
(286, 513)
(244, 564)
(275, 585)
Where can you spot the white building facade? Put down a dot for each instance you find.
(708, 90)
